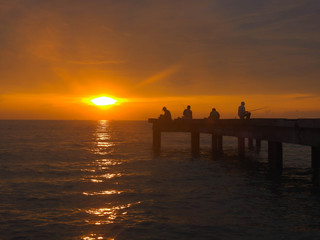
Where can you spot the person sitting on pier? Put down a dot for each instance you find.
(214, 115)
(242, 113)
(187, 113)
(166, 115)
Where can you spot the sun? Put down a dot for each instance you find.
(103, 101)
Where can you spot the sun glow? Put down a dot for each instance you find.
(103, 101)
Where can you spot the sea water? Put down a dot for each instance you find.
(101, 180)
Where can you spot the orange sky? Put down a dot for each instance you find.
(150, 54)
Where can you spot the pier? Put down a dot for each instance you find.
(274, 131)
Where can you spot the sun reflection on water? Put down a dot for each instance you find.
(106, 215)
(103, 141)
(102, 145)
(107, 192)
(101, 171)
(100, 174)
(107, 162)
(101, 178)
(96, 180)
(110, 175)
(94, 236)
(101, 164)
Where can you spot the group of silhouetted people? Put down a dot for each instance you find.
(214, 114)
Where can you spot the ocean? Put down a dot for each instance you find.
(101, 180)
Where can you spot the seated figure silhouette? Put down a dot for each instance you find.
(214, 115)
(187, 113)
(242, 113)
(166, 115)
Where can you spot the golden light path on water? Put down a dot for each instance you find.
(103, 146)
(96, 237)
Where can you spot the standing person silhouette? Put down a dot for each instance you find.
(242, 113)
(187, 113)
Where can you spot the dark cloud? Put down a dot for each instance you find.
(222, 47)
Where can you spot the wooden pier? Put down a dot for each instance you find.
(275, 131)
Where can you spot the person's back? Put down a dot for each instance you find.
(241, 111)
(167, 115)
(214, 115)
(187, 113)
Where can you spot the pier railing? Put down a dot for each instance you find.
(275, 131)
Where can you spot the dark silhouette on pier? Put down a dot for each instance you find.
(187, 113)
(166, 115)
(214, 115)
(242, 113)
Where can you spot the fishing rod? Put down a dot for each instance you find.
(254, 110)
(257, 109)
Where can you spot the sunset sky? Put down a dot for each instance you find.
(57, 55)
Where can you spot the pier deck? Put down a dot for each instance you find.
(275, 131)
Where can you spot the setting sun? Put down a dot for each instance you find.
(103, 101)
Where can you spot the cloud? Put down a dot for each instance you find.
(306, 97)
(182, 47)
(160, 76)
(94, 62)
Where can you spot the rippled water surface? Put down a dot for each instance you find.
(101, 180)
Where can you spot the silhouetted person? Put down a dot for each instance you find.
(214, 115)
(187, 113)
(242, 113)
(166, 115)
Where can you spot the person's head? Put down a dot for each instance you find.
(188, 107)
(242, 103)
(164, 108)
(213, 109)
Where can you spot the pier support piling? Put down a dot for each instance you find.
(217, 143)
(220, 143)
(156, 140)
(258, 145)
(241, 146)
(214, 143)
(315, 155)
(275, 155)
(275, 131)
(195, 143)
(250, 143)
